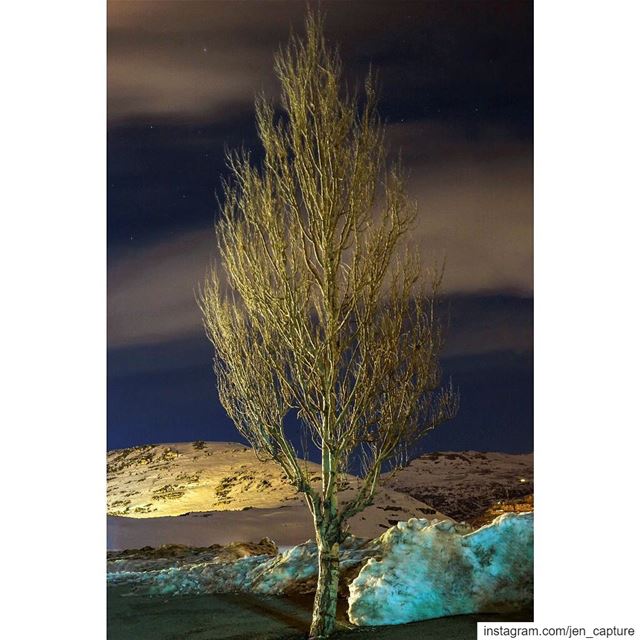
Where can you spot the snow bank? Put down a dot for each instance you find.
(206, 577)
(295, 570)
(420, 571)
(432, 570)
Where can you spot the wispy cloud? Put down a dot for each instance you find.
(152, 290)
(476, 212)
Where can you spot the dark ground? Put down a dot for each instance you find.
(247, 617)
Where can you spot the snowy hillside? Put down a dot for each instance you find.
(222, 494)
(464, 484)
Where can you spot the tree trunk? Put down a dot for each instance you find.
(326, 599)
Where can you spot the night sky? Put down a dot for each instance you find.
(456, 93)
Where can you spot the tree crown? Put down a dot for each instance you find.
(320, 311)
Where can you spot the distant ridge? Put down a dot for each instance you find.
(463, 484)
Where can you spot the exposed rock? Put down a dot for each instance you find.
(149, 559)
(266, 547)
(516, 505)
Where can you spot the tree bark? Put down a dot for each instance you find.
(326, 599)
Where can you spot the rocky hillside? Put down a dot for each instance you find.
(204, 481)
(464, 485)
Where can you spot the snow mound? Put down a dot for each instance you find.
(294, 571)
(429, 570)
(205, 577)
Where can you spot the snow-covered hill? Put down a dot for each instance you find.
(464, 484)
(223, 493)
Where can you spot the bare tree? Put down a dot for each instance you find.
(318, 311)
